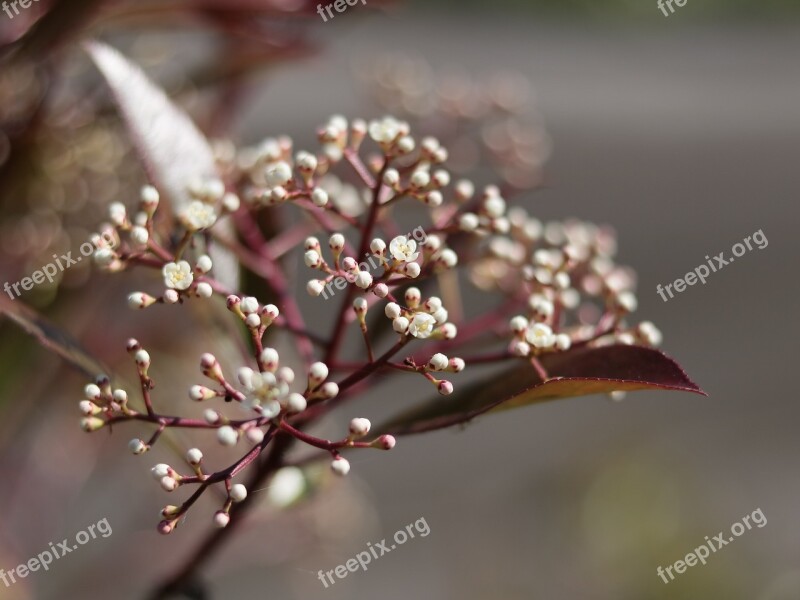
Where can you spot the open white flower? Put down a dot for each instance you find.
(422, 325)
(540, 335)
(386, 130)
(198, 215)
(403, 249)
(178, 276)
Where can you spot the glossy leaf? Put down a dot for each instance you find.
(579, 372)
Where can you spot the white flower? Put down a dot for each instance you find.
(422, 325)
(403, 249)
(540, 335)
(386, 130)
(198, 215)
(178, 276)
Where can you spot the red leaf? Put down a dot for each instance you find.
(579, 372)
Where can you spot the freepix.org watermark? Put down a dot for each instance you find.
(7, 6)
(703, 551)
(374, 551)
(55, 551)
(62, 263)
(717, 263)
(339, 6)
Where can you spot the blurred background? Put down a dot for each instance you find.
(682, 132)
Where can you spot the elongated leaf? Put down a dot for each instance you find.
(173, 150)
(579, 372)
(52, 337)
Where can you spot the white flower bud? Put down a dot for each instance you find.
(315, 287)
(363, 280)
(312, 259)
(117, 213)
(329, 390)
(438, 362)
(270, 358)
(227, 435)
(318, 372)
(238, 492)
(391, 178)
(171, 296)
(563, 342)
(457, 364)
(88, 408)
(359, 427)
(253, 321)
(445, 388)
(160, 471)
(448, 258)
(413, 297)
(319, 197)
(392, 310)
(198, 393)
(286, 486)
(211, 416)
(137, 446)
(340, 466)
(231, 202)
(221, 519)
(142, 358)
(194, 456)
(468, 222)
(278, 174)
(120, 396)
(249, 305)
(104, 257)
(434, 198)
(140, 235)
(377, 247)
(168, 484)
(92, 392)
(400, 324)
(254, 435)
(518, 324)
(420, 179)
(296, 403)
(149, 196)
(627, 301)
(411, 270)
(204, 263)
(204, 290)
(381, 290)
(441, 178)
(360, 306)
(336, 242)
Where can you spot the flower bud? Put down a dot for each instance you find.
(340, 466)
(359, 427)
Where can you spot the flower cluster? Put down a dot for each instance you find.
(554, 286)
